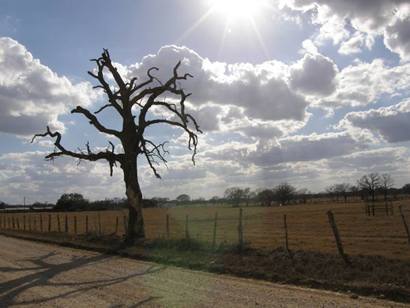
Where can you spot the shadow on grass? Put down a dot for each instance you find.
(45, 271)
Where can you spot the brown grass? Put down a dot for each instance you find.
(308, 226)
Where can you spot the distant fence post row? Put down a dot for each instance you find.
(48, 223)
(370, 207)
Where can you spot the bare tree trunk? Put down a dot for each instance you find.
(135, 229)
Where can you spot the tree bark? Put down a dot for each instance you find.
(135, 229)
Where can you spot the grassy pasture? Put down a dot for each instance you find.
(308, 226)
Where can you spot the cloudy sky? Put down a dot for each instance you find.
(312, 92)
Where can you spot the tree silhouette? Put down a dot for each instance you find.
(284, 193)
(70, 202)
(183, 198)
(133, 101)
(370, 183)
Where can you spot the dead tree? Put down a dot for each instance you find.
(133, 101)
(370, 183)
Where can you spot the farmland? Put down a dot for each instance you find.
(263, 227)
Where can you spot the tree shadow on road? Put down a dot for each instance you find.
(45, 271)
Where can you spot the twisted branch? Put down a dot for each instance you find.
(108, 155)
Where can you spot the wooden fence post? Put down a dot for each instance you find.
(18, 223)
(214, 233)
(86, 224)
(167, 226)
(240, 230)
(58, 223)
(124, 218)
(66, 223)
(49, 223)
(99, 224)
(406, 227)
(35, 224)
(29, 223)
(186, 228)
(116, 225)
(41, 223)
(75, 225)
(13, 223)
(337, 238)
(24, 222)
(285, 226)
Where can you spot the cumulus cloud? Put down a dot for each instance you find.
(28, 174)
(397, 36)
(364, 83)
(355, 43)
(31, 95)
(391, 123)
(261, 90)
(372, 17)
(248, 98)
(314, 74)
(304, 148)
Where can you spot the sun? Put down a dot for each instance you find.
(237, 10)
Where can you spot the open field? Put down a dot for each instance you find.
(263, 227)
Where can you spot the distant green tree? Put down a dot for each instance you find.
(284, 193)
(234, 195)
(183, 198)
(40, 205)
(71, 202)
(265, 197)
(406, 189)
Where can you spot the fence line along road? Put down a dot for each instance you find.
(307, 227)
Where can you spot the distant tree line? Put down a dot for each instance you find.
(369, 187)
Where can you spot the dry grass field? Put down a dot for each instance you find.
(263, 227)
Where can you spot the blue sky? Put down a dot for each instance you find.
(309, 92)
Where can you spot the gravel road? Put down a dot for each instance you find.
(37, 274)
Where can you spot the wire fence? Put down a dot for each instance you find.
(307, 228)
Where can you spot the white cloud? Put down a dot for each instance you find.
(363, 83)
(261, 90)
(314, 74)
(31, 95)
(391, 123)
(304, 148)
(248, 98)
(355, 43)
(28, 174)
(397, 36)
(370, 17)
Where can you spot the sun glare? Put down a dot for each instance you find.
(235, 10)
